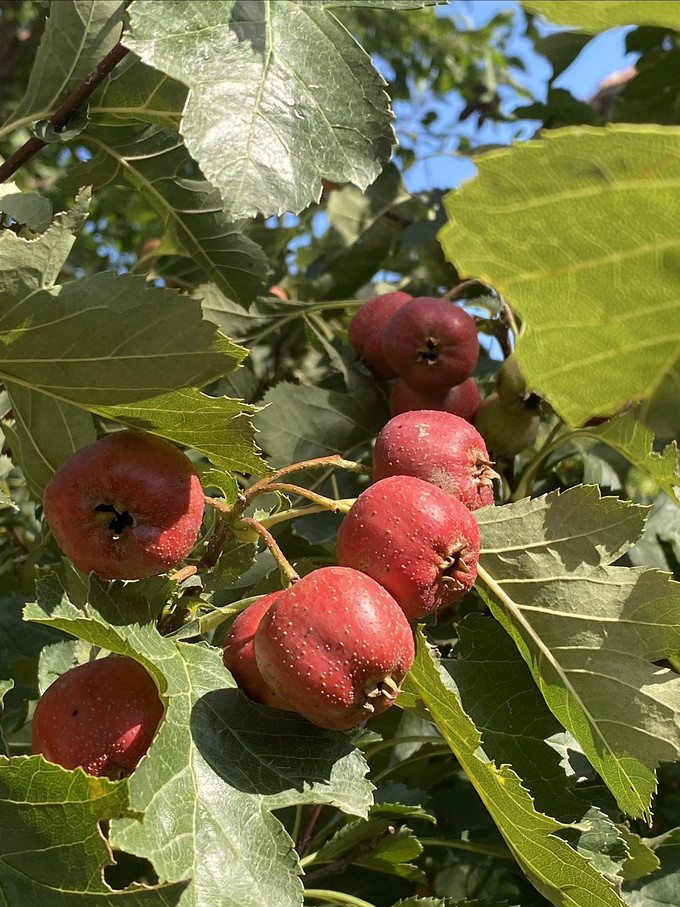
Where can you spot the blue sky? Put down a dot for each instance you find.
(602, 56)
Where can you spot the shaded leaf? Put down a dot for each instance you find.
(45, 432)
(559, 873)
(265, 119)
(590, 632)
(29, 208)
(52, 851)
(304, 422)
(156, 163)
(77, 36)
(660, 889)
(555, 226)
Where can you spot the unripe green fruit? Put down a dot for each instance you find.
(511, 385)
(507, 429)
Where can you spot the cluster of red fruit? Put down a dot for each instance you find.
(431, 347)
(337, 644)
(334, 647)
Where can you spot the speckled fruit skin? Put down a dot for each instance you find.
(337, 646)
(366, 327)
(431, 343)
(239, 653)
(415, 539)
(102, 715)
(126, 506)
(440, 448)
(462, 400)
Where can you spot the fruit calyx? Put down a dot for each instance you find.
(454, 563)
(120, 520)
(428, 351)
(483, 475)
(386, 687)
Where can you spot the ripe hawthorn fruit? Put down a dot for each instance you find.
(431, 343)
(102, 715)
(126, 506)
(440, 448)
(336, 646)
(239, 653)
(461, 400)
(366, 327)
(415, 539)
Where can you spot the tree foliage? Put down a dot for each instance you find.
(196, 198)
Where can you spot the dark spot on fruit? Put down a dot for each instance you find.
(74, 712)
(119, 521)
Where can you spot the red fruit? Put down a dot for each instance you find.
(415, 539)
(461, 400)
(431, 343)
(366, 327)
(336, 645)
(440, 448)
(102, 715)
(126, 506)
(239, 653)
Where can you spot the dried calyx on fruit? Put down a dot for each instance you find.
(431, 343)
(366, 327)
(126, 506)
(336, 646)
(440, 448)
(101, 715)
(415, 539)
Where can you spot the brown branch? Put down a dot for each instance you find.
(307, 832)
(63, 113)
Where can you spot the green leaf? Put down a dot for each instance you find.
(104, 340)
(596, 17)
(304, 422)
(27, 265)
(5, 687)
(29, 208)
(135, 93)
(77, 36)
(45, 432)
(19, 654)
(52, 851)
(661, 887)
(634, 441)
(155, 162)
(218, 765)
(590, 632)
(265, 119)
(559, 873)
(537, 224)
(217, 426)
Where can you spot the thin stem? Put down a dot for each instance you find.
(297, 822)
(396, 741)
(489, 849)
(361, 849)
(184, 573)
(343, 304)
(335, 461)
(459, 290)
(526, 482)
(307, 832)
(292, 514)
(331, 504)
(336, 897)
(66, 110)
(288, 572)
(392, 768)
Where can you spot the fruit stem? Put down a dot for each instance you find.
(333, 462)
(288, 572)
(526, 482)
(335, 897)
(307, 832)
(344, 304)
(341, 506)
(460, 288)
(178, 576)
(296, 512)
